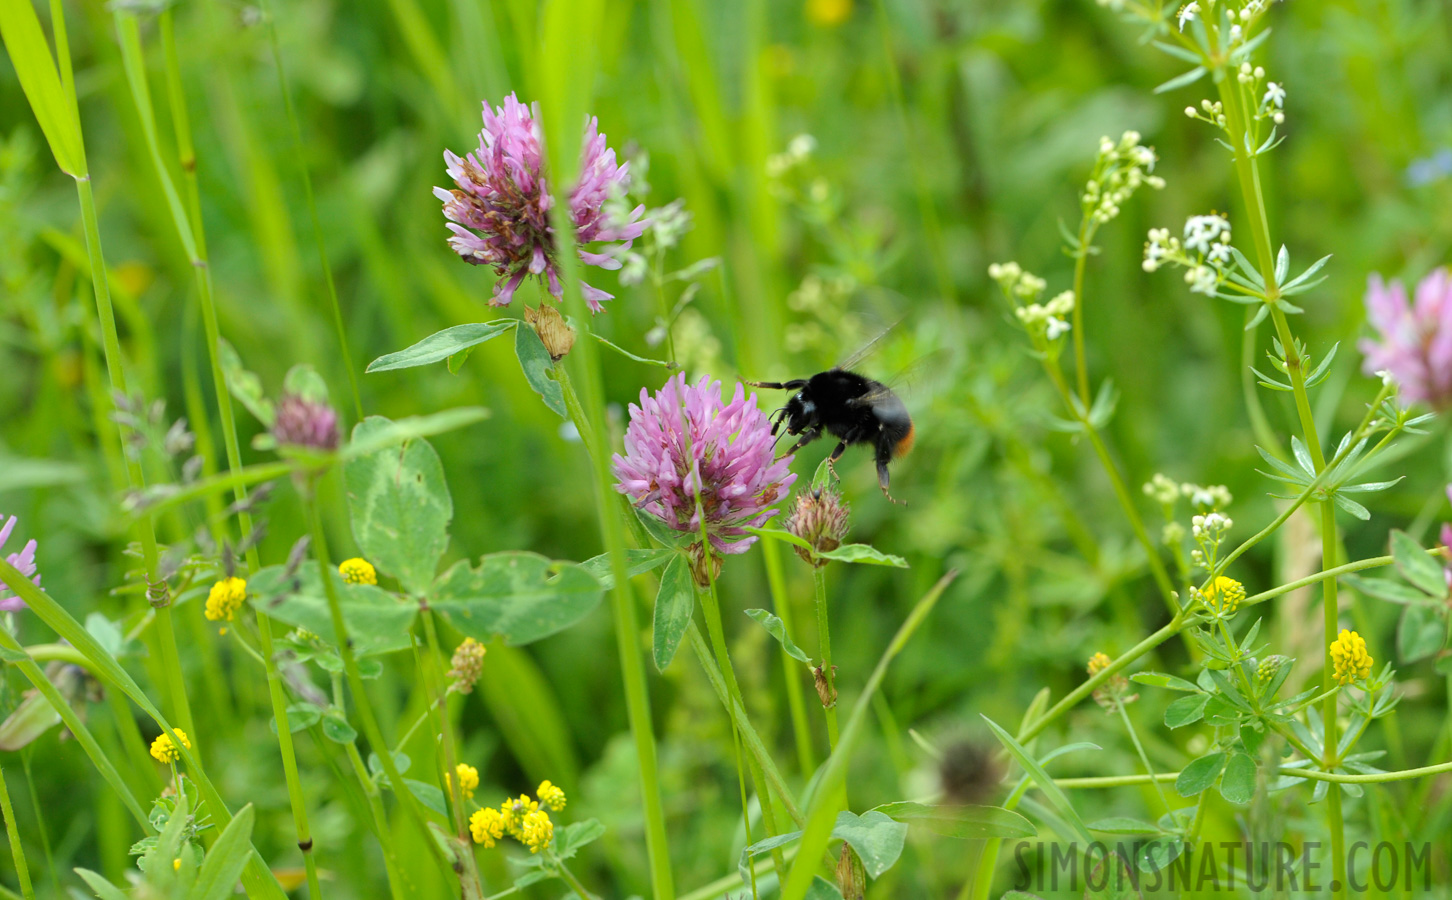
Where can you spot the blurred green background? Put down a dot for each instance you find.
(948, 136)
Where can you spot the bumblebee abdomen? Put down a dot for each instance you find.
(904, 444)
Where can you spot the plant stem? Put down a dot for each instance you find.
(791, 675)
(1139, 748)
(300, 154)
(572, 881)
(12, 831)
(824, 640)
(627, 629)
(355, 680)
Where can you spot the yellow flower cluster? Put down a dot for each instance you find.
(550, 795)
(487, 826)
(519, 817)
(1349, 657)
(225, 598)
(163, 750)
(468, 780)
(358, 571)
(1098, 663)
(1224, 594)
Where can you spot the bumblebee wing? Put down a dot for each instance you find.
(866, 349)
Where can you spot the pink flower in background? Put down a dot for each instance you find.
(1415, 339)
(684, 442)
(305, 423)
(499, 210)
(24, 561)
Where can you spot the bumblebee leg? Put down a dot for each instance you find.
(793, 385)
(811, 434)
(884, 456)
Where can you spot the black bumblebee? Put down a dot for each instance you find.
(852, 408)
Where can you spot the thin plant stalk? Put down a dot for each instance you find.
(791, 675)
(12, 831)
(300, 154)
(374, 799)
(1139, 749)
(355, 679)
(824, 640)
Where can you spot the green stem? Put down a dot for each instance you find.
(622, 603)
(465, 868)
(711, 609)
(1139, 749)
(572, 881)
(1110, 781)
(355, 679)
(12, 831)
(300, 154)
(1081, 258)
(375, 807)
(791, 675)
(824, 640)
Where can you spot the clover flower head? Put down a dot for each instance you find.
(164, 751)
(225, 598)
(302, 422)
(487, 826)
(468, 780)
(1269, 667)
(1223, 594)
(550, 795)
(1098, 663)
(1114, 690)
(358, 571)
(467, 665)
(1349, 658)
(512, 812)
(690, 455)
(499, 209)
(1414, 339)
(23, 560)
(538, 831)
(821, 519)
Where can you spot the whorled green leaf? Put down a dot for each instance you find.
(1186, 710)
(519, 596)
(244, 386)
(429, 795)
(1418, 566)
(1421, 632)
(399, 505)
(570, 839)
(877, 837)
(535, 362)
(967, 822)
(638, 562)
(441, 345)
(1123, 825)
(1159, 853)
(377, 621)
(777, 629)
(674, 604)
(1238, 784)
(1160, 679)
(861, 553)
(413, 428)
(1200, 773)
(299, 716)
(337, 729)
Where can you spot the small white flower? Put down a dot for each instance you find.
(1202, 280)
(1219, 254)
(1056, 327)
(1187, 13)
(1061, 305)
(1236, 34)
(1275, 95)
(802, 146)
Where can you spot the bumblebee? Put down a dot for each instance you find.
(852, 408)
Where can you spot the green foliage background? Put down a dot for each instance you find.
(1002, 107)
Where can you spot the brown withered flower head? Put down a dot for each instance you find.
(554, 332)
(820, 518)
(968, 773)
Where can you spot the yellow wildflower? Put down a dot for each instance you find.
(176, 864)
(1098, 663)
(225, 598)
(550, 795)
(538, 831)
(1349, 657)
(487, 826)
(163, 750)
(1224, 594)
(512, 813)
(358, 571)
(468, 780)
